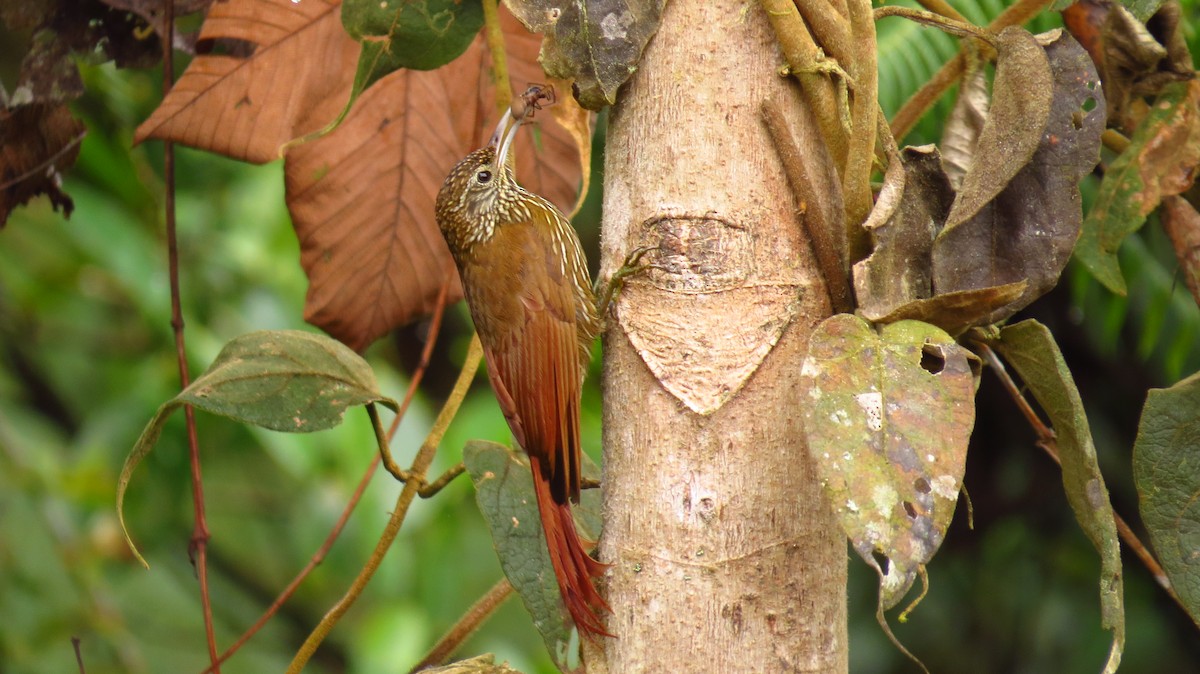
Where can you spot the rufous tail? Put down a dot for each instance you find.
(573, 568)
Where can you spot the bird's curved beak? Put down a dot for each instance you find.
(503, 137)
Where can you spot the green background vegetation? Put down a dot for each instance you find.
(86, 356)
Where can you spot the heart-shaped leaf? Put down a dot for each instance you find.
(887, 419)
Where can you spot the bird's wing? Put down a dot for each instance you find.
(532, 351)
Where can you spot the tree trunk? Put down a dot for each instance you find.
(725, 557)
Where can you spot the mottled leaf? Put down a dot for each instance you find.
(1181, 222)
(422, 35)
(1021, 99)
(886, 419)
(898, 270)
(1160, 161)
(38, 141)
(957, 311)
(362, 197)
(1166, 469)
(1027, 232)
(595, 43)
(1031, 350)
(960, 136)
(284, 380)
(504, 492)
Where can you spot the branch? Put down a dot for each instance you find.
(198, 546)
(495, 42)
(420, 465)
(470, 621)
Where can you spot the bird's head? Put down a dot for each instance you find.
(474, 196)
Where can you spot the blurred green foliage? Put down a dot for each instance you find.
(87, 355)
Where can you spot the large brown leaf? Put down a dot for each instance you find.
(247, 108)
(362, 197)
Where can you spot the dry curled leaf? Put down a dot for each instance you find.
(897, 272)
(1021, 98)
(1027, 232)
(37, 142)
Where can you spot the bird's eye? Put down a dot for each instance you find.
(483, 177)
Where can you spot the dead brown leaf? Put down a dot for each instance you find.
(37, 142)
(362, 197)
(1182, 225)
(247, 108)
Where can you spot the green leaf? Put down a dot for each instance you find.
(1166, 469)
(504, 492)
(1030, 348)
(887, 418)
(285, 380)
(1160, 161)
(1142, 9)
(417, 34)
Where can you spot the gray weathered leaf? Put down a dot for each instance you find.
(898, 269)
(1022, 94)
(595, 43)
(886, 419)
(1028, 231)
(966, 122)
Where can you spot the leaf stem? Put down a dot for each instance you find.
(494, 34)
(1048, 442)
(420, 465)
(470, 621)
(198, 545)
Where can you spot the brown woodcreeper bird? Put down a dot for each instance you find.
(526, 283)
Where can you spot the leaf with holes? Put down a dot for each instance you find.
(1027, 231)
(362, 196)
(1166, 469)
(504, 492)
(886, 419)
(1160, 161)
(284, 380)
(1030, 348)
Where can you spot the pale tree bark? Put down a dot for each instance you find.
(725, 558)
